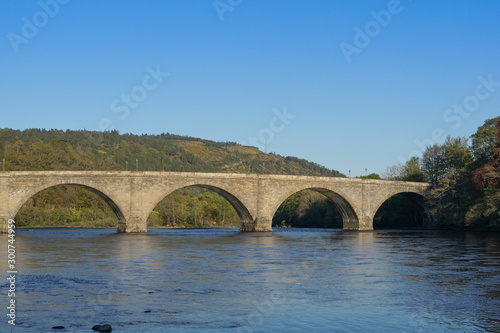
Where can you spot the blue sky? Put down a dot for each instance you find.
(347, 84)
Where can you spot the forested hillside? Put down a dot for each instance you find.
(36, 149)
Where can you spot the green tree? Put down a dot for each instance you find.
(457, 153)
(412, 171)
(438, 160)
(372, 176)
(450, 198)
(433, 164)
(447, 166)
(484, 141)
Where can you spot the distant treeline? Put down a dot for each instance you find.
(40, 149)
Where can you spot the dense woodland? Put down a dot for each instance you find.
(38, 149)
(464, 173)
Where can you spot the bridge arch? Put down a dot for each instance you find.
(92, 188)
(417, 198)
(341, 201)
(241, 209)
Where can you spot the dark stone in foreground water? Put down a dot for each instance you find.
(102, 328)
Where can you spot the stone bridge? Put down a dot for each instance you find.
(133, 195)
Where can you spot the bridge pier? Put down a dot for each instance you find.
(134, 225)
(136, 221)
(350, 224)
(4, 222)
(366, 223)
(259, 224)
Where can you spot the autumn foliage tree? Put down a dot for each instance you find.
(486, 180)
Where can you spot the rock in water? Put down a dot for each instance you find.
(58, 327)
(105, 328)
(102, 328)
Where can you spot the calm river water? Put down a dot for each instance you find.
(221, 280)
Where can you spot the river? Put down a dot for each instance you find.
(221, 280)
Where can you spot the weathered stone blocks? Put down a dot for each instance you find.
(133, 195)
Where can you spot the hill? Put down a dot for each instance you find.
(39, 149)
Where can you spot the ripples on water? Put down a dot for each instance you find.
(291, 280)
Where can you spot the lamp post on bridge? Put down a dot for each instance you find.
(366, 172)
(136, 164)
(126, 165)
(3, 164)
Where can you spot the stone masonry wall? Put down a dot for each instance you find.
(133, 195)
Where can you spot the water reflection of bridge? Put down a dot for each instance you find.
(133, 195)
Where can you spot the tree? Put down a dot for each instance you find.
(371, 176)
(433, 163)
(447, 167)
(486, 178)
(484, 141)
(438, 160)
(393, 172)
(412, 172)
(457, 153)
(450, 198)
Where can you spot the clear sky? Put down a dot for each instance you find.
(347, 84)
